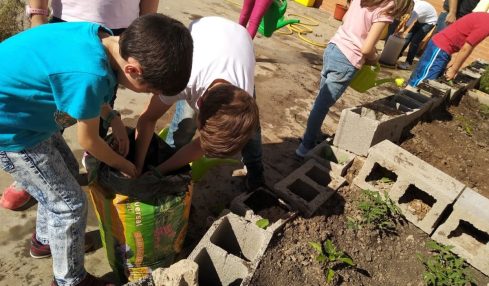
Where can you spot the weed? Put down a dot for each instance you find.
(484, 110)
(386, 180)
(444, 267)
(331, 258)
(12, 20)
(467, 125)
(263, 223)
(378, 210)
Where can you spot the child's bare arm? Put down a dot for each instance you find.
(458, 60)
(91, 142)
(188, 153)
(452, 12)
(368, 49)
(146, 127)
(37, 20)
(118, 129)
(148, 6)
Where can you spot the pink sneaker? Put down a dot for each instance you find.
(14, 198)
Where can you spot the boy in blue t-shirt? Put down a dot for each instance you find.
(54, 76)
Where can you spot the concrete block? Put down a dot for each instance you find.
(439, 92)
(331, 157)
(184, 272)
(478, 66)
(481, 96)
(309, 187)
(467, 79)
(467, 229)
(360, 128)
(230, 251)
(261, 204)
(422, 192)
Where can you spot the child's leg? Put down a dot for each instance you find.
(244, 16)
(259, 10)
(182, 127)
(335, 77)
(416, 40)
(430, 66)
(64, 205)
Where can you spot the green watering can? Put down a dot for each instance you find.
(366, 78)
(203, 164)
(274, 18)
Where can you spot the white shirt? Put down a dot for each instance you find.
(223, 49)
(424, 13)
(113, 14)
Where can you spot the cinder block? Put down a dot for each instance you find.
(439, 92)
(482, 97)
(422, 192)
(467, 229)
(230, 251)
(360, 128)
(331, 157)
(467, 79)
(261, 204)
(309, 187)
(479, 66)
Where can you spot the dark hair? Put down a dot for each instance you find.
(164, 47)
(399, 8)
(228, 116)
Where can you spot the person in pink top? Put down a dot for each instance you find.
(251, 14)
(351, 47)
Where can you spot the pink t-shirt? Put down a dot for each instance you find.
(113, 14)
(356, 24)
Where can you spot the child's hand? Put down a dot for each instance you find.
(128, 169)
(450, 73)
(120, 136)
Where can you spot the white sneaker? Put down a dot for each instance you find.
(404, 66)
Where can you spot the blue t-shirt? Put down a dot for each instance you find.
(51, 76)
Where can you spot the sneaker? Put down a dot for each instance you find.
(89, 280)
(404, 66)
(39, 250)
(15, 198)
(301, 151)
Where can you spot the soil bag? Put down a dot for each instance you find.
(143, 221)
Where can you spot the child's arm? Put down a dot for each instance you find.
(118, 129)
(37, 20)
(145, 128)
(188, 153)
(452, 11)
(90, 141)
(148, 6)
(457, 61)
(368, 49)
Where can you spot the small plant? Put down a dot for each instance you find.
(467, 125)
(263, 223)
(484, 110)
(331, 258)
(484, 82)
(378, 210)
(444, 267)
(386, 180)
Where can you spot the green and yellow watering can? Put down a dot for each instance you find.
(274, 18)
(203, 164)
(366, 78)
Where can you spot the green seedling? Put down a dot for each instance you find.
(330, 258)
(263, 223)
(386, 180)
(342, 159)
(377, 210)
(467, 125)
(443, 267)
(484, 110)
(484, 82)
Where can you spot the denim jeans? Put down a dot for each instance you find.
(182, 130)
(441, 24)
(414, 39)
(48, 170)
(335, 77)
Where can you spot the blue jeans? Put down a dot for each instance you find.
(441, 24)
(335, 77)
(414, 39)
(431, 65)
(48, 170)
(182, 130)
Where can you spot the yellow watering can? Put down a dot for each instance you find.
(274, 18)
(203, 164)
(366, 78)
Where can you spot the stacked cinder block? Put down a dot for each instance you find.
(309, 187)
(438, 91)
(480, 96)
(262, 204)
(331, 157)
(230, 251)
(360, 128)
(467, 229)
(422, 192)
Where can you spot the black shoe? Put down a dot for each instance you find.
(253, 182)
